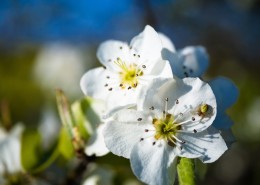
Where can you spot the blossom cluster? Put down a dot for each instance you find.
(154, 106)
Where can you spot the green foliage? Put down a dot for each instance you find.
(30, 150)
(185, 170)
(65, 145)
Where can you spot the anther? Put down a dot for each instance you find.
(146, 130)
(104, 67)
(121, 85)
(106, 85)
(110, 89)
(129, 87)
(151, 108)
(177, 101)
(134, 55)
(144, 66)
(195, 131)
(139, 119)
(166, 99)
(154, 143)
(108, 77)
(138, 56)
(193, 119)
(118, 58)
(120, 47)
(186, 74)
(141, 139)
(135, 85)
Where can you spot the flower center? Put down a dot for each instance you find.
(166, 128)
(129, 74)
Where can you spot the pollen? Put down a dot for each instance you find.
(129, 74)
(166, 128)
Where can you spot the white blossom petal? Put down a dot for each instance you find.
(110, 50)
(166, 42)
(96, 145)
(207, 145)
(225, 91)
(154, 164)
(191, 61)
(148, 45)
(93, 83)
(125, 130)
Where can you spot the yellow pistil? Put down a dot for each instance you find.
(129, 74)
(166, 129)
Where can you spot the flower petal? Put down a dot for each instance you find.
(208, 145)
(96, 145)
(125, 130)
(110, 50)
(191, 61)
(147, 44)
(93, 83)
(154, 164)
(225, 91)
(166, 42)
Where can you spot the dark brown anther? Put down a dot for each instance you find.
(139, 119)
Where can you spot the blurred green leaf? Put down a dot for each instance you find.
(185, 170)
(65, 144)
(30, 150)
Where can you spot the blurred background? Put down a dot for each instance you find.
(46, 44)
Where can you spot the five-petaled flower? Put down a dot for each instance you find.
(126, 69)
(172, 118)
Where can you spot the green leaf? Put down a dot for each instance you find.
(65, 144)
(185, 170)
(30, 149)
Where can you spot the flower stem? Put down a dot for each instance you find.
(185, 170)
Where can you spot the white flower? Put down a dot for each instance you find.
(91, 114)
(98, 175)
(61, 66)
(10, 150)
(126, 69)
(173, 118)
(191, 61)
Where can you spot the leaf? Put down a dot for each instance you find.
(185, 170)
(65, 144)
(30, 149)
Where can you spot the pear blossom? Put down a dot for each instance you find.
(10, 147)
(191, 61)
(94, 124)
(126, 69)
(172, 118)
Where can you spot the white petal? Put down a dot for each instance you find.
(154, 164)
(166, 42)
(96, 145)
(147, 44)
(93, 83)
(124, 131)
(225, 91)
(207, 145)
(191, 61)
(110, 50)
(162, 69)
(10, 149)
